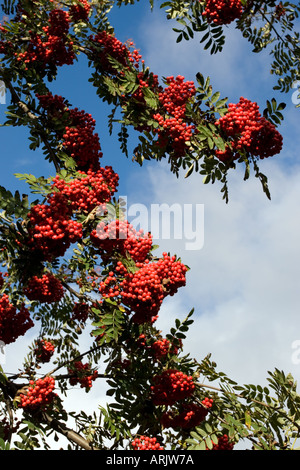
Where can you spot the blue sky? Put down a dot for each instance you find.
(244, 282)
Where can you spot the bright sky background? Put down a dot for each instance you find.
(244, 282)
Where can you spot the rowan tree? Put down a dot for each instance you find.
(70, 259)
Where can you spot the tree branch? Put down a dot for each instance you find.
(71, 435)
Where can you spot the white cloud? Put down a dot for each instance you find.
(244, 282)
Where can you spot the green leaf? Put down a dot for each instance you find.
(215, 97)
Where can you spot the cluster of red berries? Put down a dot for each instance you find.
(44, 350)
(39, 394)
(89, 190)
(222, 11)
(146, 443)
(80, 140)
(249, 130)
(189, 416)
(176, 95)
(53, 47)
(120, 235)
(109, 286)
(4, 45)
(143, 291)
(80, 12)
(279, 11)
(45, 289)
(55, 105)
(81, 312)
(13, 323)
(174, 99)
(223, 443)
(162, 347)
(108, 46)
(175, 131)
(82, 374)
(171, 386)
(51, 229)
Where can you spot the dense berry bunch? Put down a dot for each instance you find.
(144, 290)
(146, 443)
(89, 190)
(266, 140)
(189, 416)
(110, 46)
(176, 130)
(44, 350)
(81, 312)
(223, 443)
(222, 11)
(80, 140)
(171, 386)
(12, 323)
(51, 229)
(45, 289)
(172, 274)
(53, 47)
(175, 96)
(58, 23)
(249, 131)
(162, 347)
(80, 12)
(55, 105)
(3, 44)
(82, 374)
(39, 394)
(120, 235)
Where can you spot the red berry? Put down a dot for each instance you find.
(45, 289)
(39, 394)
(222, 11)
(171, 386)
(44, 350)
(13, 323)
(249, 131)
(146, 443)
